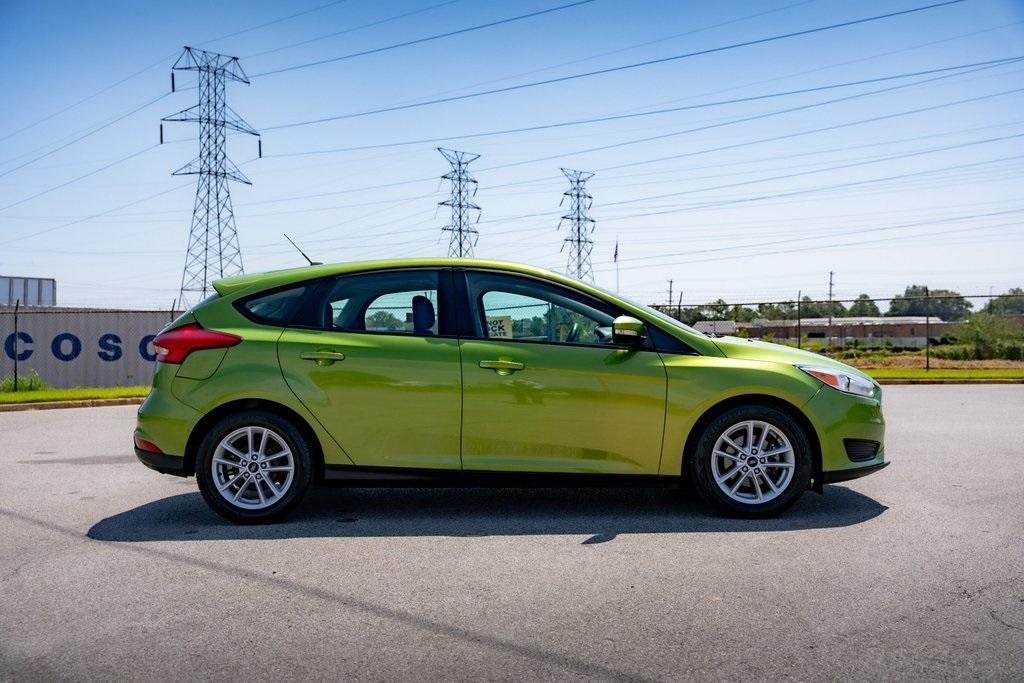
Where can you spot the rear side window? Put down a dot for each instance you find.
(405, 302)
(276, 308)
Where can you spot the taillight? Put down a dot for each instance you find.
(175, 345)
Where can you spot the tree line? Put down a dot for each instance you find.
(944, 304)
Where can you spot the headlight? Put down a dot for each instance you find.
(843, 381)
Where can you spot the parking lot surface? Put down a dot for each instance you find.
(110, 570)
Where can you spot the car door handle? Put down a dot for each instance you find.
(322, 357)
(502, 367)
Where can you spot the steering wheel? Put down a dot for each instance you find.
(574, 333)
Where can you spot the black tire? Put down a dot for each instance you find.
(302, 476)
(701, 461)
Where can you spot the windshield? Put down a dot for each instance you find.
(653, 311)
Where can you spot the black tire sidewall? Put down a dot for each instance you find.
(703, 478)
(301, 455)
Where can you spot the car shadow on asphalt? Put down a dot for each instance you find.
(597, 513)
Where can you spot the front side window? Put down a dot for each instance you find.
(390, 302)
(510, 307)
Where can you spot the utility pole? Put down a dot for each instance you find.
(464, 235)
(581, 225)
(679, 307)
(213, 250)
(799, 320)
(669, 307)
(616, 259)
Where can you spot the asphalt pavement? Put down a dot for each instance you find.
(110, 570)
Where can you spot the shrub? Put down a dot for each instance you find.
(26, 382)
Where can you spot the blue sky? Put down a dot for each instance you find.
(932, 197)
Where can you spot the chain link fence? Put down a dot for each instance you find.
(73, 347)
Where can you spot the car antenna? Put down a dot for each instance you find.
(311, 261)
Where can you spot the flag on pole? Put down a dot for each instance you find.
(616, 256)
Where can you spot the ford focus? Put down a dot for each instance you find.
(472, 372)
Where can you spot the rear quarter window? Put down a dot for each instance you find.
(275, 308)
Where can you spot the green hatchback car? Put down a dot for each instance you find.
(462, 371)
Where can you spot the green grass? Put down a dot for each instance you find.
(75, 394)
(946, 373)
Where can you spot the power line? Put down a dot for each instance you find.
(90, 217)
(154, 65)
(82, 137)
(819, 188)
(615, 69)
(273, 21)
(87, 98)
(426, 39)
(904, 155)
(655, 112)
(731, 257)
(732, 122)
(788, 136)
(353, 29)
(593, 56)
(699, 129)
(81, 177)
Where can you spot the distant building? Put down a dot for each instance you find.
(901, 330)
(716, 327)
(30, 291)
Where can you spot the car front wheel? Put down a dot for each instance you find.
(253, 467)
(752, 461)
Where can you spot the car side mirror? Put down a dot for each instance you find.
(628, 331)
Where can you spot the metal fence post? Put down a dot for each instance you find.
(17, 305)
(927, 330)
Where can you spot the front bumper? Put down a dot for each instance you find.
(837, 476)
(838, 417)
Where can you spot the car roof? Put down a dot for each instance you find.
(232, 285)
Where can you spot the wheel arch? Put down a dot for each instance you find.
(755, 399)
(195, 437)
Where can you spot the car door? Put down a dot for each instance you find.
(544, 387)
(374, 357)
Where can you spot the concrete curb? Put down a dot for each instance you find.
(84, 403)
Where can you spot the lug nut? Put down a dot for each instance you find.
(744, 468)
(763, 461)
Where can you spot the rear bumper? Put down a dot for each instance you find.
(854, 473)
(161, 462)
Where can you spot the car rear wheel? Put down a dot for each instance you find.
(253, 467)
(752, 461)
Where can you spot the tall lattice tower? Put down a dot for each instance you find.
(464, 234)
(213, 250)
(581, 225)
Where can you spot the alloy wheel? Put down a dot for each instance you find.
(253, 467)
(753, 462)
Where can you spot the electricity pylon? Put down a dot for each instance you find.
(213, 250)
(464, 235)
(581, 225)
